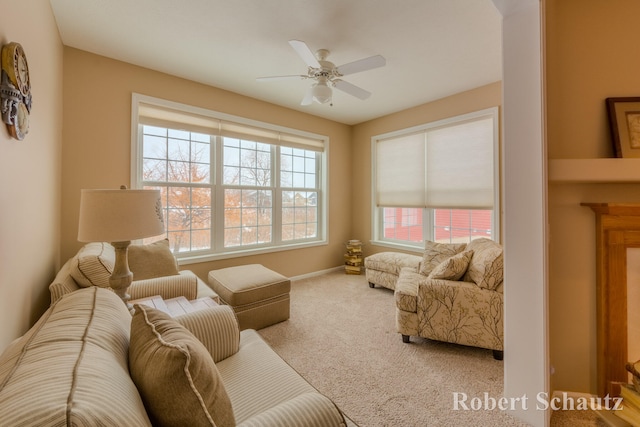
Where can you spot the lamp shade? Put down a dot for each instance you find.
(119, 215)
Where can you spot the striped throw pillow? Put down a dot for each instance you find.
(93, 264)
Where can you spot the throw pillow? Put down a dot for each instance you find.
(486, 267)
(452, 268)
(152, 260)
(175, 374)
(93, 264)
(435, 253)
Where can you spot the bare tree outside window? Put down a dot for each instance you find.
(247, 207)
(299, 207)
(180, 160)
(238, 189)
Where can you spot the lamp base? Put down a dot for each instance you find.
(121, 277)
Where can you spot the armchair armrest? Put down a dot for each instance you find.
(461, 312)
(184, 284)
(215, 327)
(305, 410)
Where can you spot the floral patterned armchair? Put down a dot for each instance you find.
(456, 295)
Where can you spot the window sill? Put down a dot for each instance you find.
(398, 246)
(195, 259)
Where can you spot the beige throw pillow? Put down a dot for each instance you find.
(175, 375)
(486, 269)
(93, 264)
(435, 253)
(452, 268)
(152, 260)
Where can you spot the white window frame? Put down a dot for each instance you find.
(377, 231)
(217, 250)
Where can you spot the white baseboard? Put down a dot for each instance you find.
(316, 273)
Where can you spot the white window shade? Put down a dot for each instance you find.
(156, 115)
(450, 166)
(163, 116)
(248, 133)
(400, 171)
(269, 136)
(459, 172)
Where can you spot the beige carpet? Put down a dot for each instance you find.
(341, 337)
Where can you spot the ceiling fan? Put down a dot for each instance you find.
(327, 75)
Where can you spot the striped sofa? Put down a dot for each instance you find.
(94, 262)
(74, 367)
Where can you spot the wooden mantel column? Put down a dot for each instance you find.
(617, 228)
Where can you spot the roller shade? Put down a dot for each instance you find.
(450, 166)
(155, 115)
(160, 116)
(400, 171)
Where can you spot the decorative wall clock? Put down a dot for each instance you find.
(15, 90)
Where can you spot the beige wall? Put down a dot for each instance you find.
(97, 141)
(462, 103)
(591, 54)
(30, 173)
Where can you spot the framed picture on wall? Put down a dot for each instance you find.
(624, 119)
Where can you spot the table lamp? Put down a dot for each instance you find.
(118, 217)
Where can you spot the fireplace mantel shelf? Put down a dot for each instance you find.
(617, 209)
(585, 171)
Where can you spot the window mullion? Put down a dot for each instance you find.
(320, 220)
(276, 188)
(428, 219)
(218, 189)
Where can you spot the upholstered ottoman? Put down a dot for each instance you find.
(259, 296)
(383, 268)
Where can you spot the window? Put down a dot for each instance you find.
(437, 182)
(402, 224)
(405, 225)
(229, 186)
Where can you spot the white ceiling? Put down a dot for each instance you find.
(433, 48)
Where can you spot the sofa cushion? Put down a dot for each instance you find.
(391, 262)
(70, 368)
(93, 264)
(176, 376)
(152, 260)
(452, 268)
(258, 380)
(435, 253)
(486, 266)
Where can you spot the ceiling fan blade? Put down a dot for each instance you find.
(305, 53)
(271, 78)
(351, 89)
(308, 97)
(361, 65)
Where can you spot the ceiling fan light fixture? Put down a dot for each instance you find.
(327, 75)
(321, 92)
